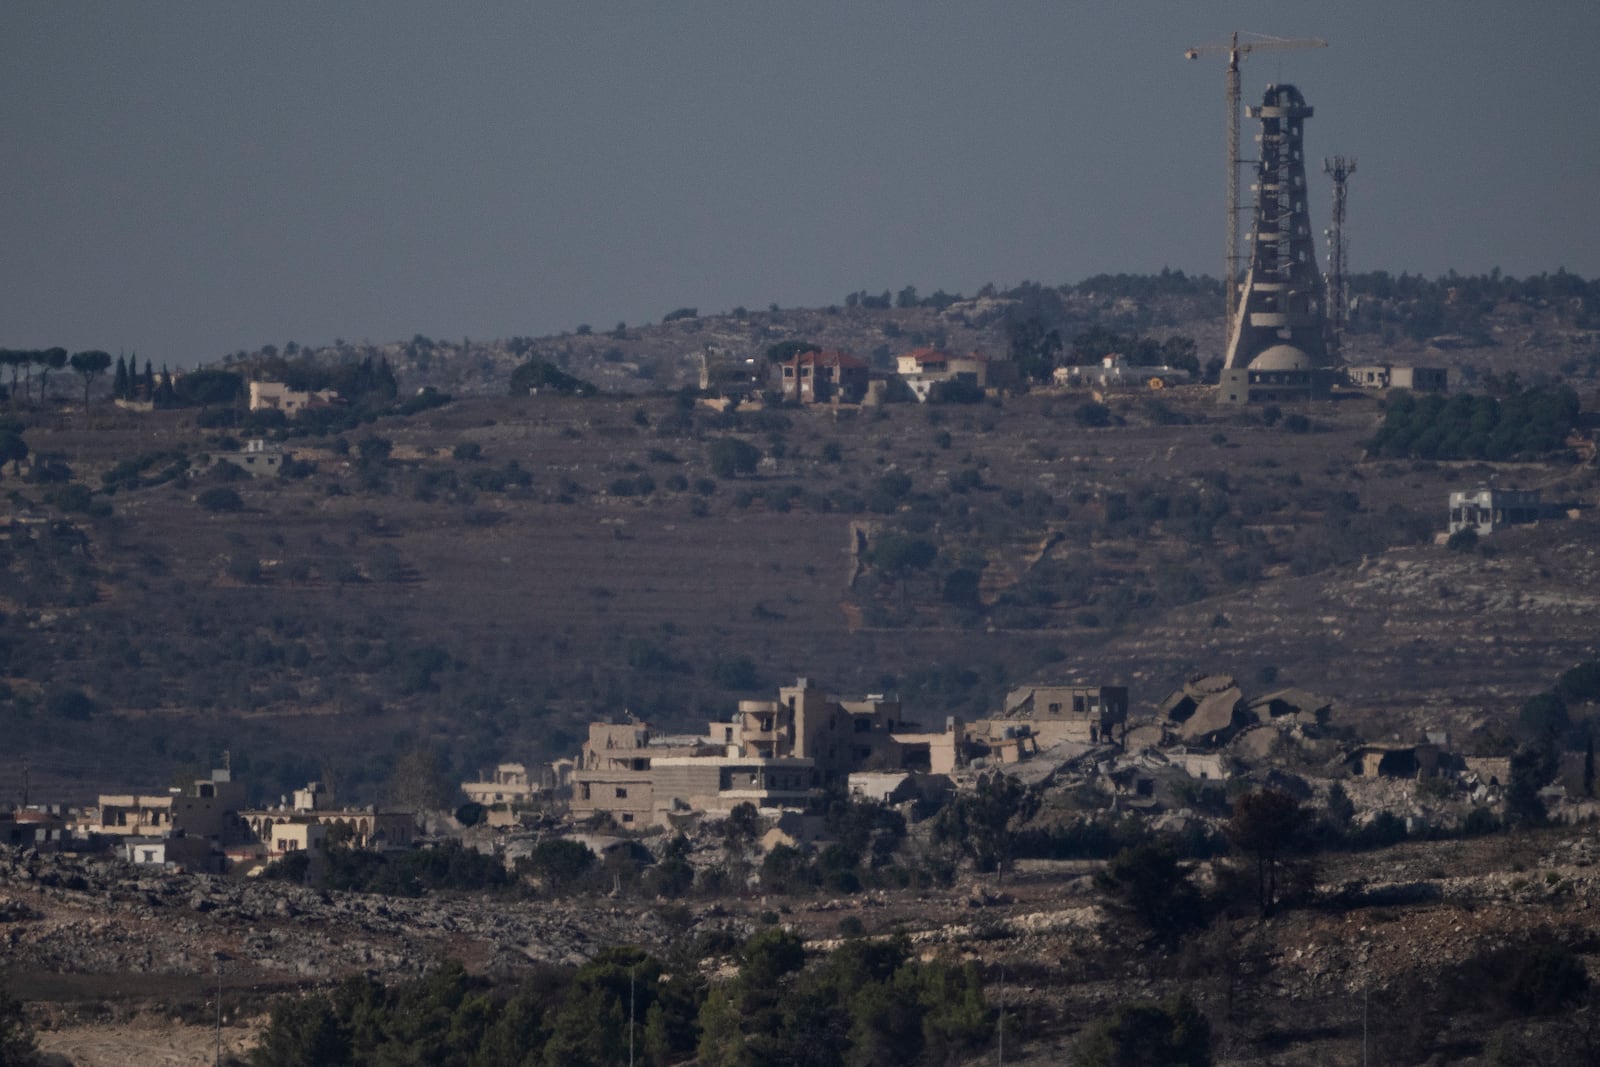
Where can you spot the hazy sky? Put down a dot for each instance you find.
(188, 179)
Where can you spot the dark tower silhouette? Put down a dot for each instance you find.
(1339, 169)
(1280, 323)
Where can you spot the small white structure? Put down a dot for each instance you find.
(258, 458)
(1114, 370)
(1486, 510)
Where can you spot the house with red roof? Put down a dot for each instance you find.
(828, 377)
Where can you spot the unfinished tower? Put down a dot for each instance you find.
(1280, 326)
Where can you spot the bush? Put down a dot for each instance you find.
(220, 498)
(731, 457)
(71, 704)
(1093, 415)
(1174, 1034)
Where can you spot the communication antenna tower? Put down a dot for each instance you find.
(1339, 169)
(1236, 50)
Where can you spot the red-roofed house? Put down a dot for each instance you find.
(825, 378)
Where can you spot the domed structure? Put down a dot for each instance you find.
(1282, 358)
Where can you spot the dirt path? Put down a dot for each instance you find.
(145, 1044)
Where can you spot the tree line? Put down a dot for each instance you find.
(867, 1003)
(1525, 423)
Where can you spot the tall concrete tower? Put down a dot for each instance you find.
(1280, 324)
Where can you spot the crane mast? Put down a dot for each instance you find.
(1236, 50)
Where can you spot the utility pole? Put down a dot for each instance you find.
(1363, 1023)
(1339, 169)
(221, 957)
(1000, 1020)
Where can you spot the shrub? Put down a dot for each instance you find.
(1174, 1033)
(71, 704)
(731, 457)
(1093, 415)
(220, 498)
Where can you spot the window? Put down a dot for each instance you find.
(627, 816)
(622, 793)
(1055, 709)
(863, 725)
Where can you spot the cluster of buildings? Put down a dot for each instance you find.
(208, 826)
(832, 376)
(785, 755)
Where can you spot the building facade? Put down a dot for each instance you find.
(830, 377)
(1487, 510)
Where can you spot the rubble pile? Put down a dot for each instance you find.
(59, 914)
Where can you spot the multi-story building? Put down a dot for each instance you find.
(778, 754)
(830, 377)
(205, 809)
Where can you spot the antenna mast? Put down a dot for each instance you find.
(1339, 169)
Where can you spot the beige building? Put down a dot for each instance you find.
(205, 809)
(286, 837)
(776, 754)
(513, 785)
(366, 828)
(275, 396)
(1050, 714)
(925, 368)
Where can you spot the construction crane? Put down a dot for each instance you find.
(1236, 50)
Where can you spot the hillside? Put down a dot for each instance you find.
(479, 579)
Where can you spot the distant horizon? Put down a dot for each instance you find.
(192, 180)
(606, 324)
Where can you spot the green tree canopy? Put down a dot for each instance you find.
(91, 365)
(1174, 1033)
